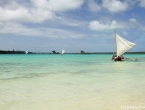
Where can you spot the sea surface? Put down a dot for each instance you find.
(71, 82)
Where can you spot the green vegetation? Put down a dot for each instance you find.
(54, 52)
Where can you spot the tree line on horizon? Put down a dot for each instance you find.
(54, 52)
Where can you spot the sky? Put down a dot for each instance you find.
(72, 25)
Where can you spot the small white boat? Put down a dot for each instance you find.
(26, 52)
(62, 52)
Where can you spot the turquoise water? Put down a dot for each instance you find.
(70, 82)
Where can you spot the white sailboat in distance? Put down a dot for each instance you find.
(26, 52)
(122, 46)
(62, 52)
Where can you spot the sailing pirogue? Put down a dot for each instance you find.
(122, 46)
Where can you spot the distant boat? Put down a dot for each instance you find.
(26, 52)
(122, 46)
(62, 52)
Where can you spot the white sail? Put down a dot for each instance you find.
(26, 52)
(62, 52)
(122, 45)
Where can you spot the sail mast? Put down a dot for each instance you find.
(115, 42)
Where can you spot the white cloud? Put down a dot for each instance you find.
(96, 25)
(115, 5)
(17, 12)
(25, 15)
(15, 28)
(142, 3)
(93, 6)
(21, 30)
(133, 20)
(58, 5)
(36, 10)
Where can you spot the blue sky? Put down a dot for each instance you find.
(72, 25)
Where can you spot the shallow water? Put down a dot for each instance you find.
(70, 82)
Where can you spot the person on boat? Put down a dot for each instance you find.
(115, 58)
(119, 58)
